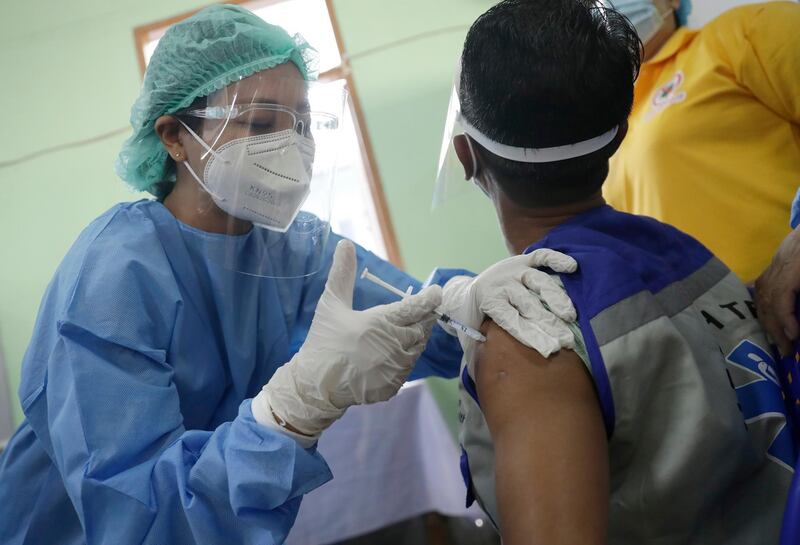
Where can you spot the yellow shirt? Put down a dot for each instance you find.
(714, 139)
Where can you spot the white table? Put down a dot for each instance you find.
(390, 461)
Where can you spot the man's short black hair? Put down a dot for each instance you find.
(543, 73)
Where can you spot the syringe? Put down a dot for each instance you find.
(444, 318)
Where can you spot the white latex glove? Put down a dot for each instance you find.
(349, 357)
(511, 293)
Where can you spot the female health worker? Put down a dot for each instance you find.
(176, 383)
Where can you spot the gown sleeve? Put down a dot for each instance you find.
(101, 398)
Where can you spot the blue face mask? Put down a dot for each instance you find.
(795, 217)
(683, 12)
(644, 16)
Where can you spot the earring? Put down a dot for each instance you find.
(178, 155)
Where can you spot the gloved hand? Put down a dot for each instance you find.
(349, 357)
(511, 293)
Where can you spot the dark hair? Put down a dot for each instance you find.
(543, 73)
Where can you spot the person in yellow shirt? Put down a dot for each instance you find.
(714, 139)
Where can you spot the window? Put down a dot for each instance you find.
(359, 207)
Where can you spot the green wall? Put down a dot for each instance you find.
(70, 73)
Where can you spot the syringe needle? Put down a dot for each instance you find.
(470, 332)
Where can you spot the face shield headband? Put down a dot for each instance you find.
(528, 155)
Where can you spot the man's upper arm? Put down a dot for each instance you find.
(551, 456)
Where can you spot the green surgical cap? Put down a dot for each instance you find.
(202, 54)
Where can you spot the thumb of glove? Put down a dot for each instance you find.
(342, 276)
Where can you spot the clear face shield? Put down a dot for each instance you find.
(268, 147)
(451, 184)
(450, 179)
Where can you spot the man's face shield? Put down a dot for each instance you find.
(450, 184)
(268, 161)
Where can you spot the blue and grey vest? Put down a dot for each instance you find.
(699, 447)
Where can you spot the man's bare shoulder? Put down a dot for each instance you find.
(502, 357)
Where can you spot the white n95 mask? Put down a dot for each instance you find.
(264, 179)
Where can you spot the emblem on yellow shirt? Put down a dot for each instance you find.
(667, 94)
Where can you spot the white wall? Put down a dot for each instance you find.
(705, 10)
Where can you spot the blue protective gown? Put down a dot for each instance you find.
(136, 391)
